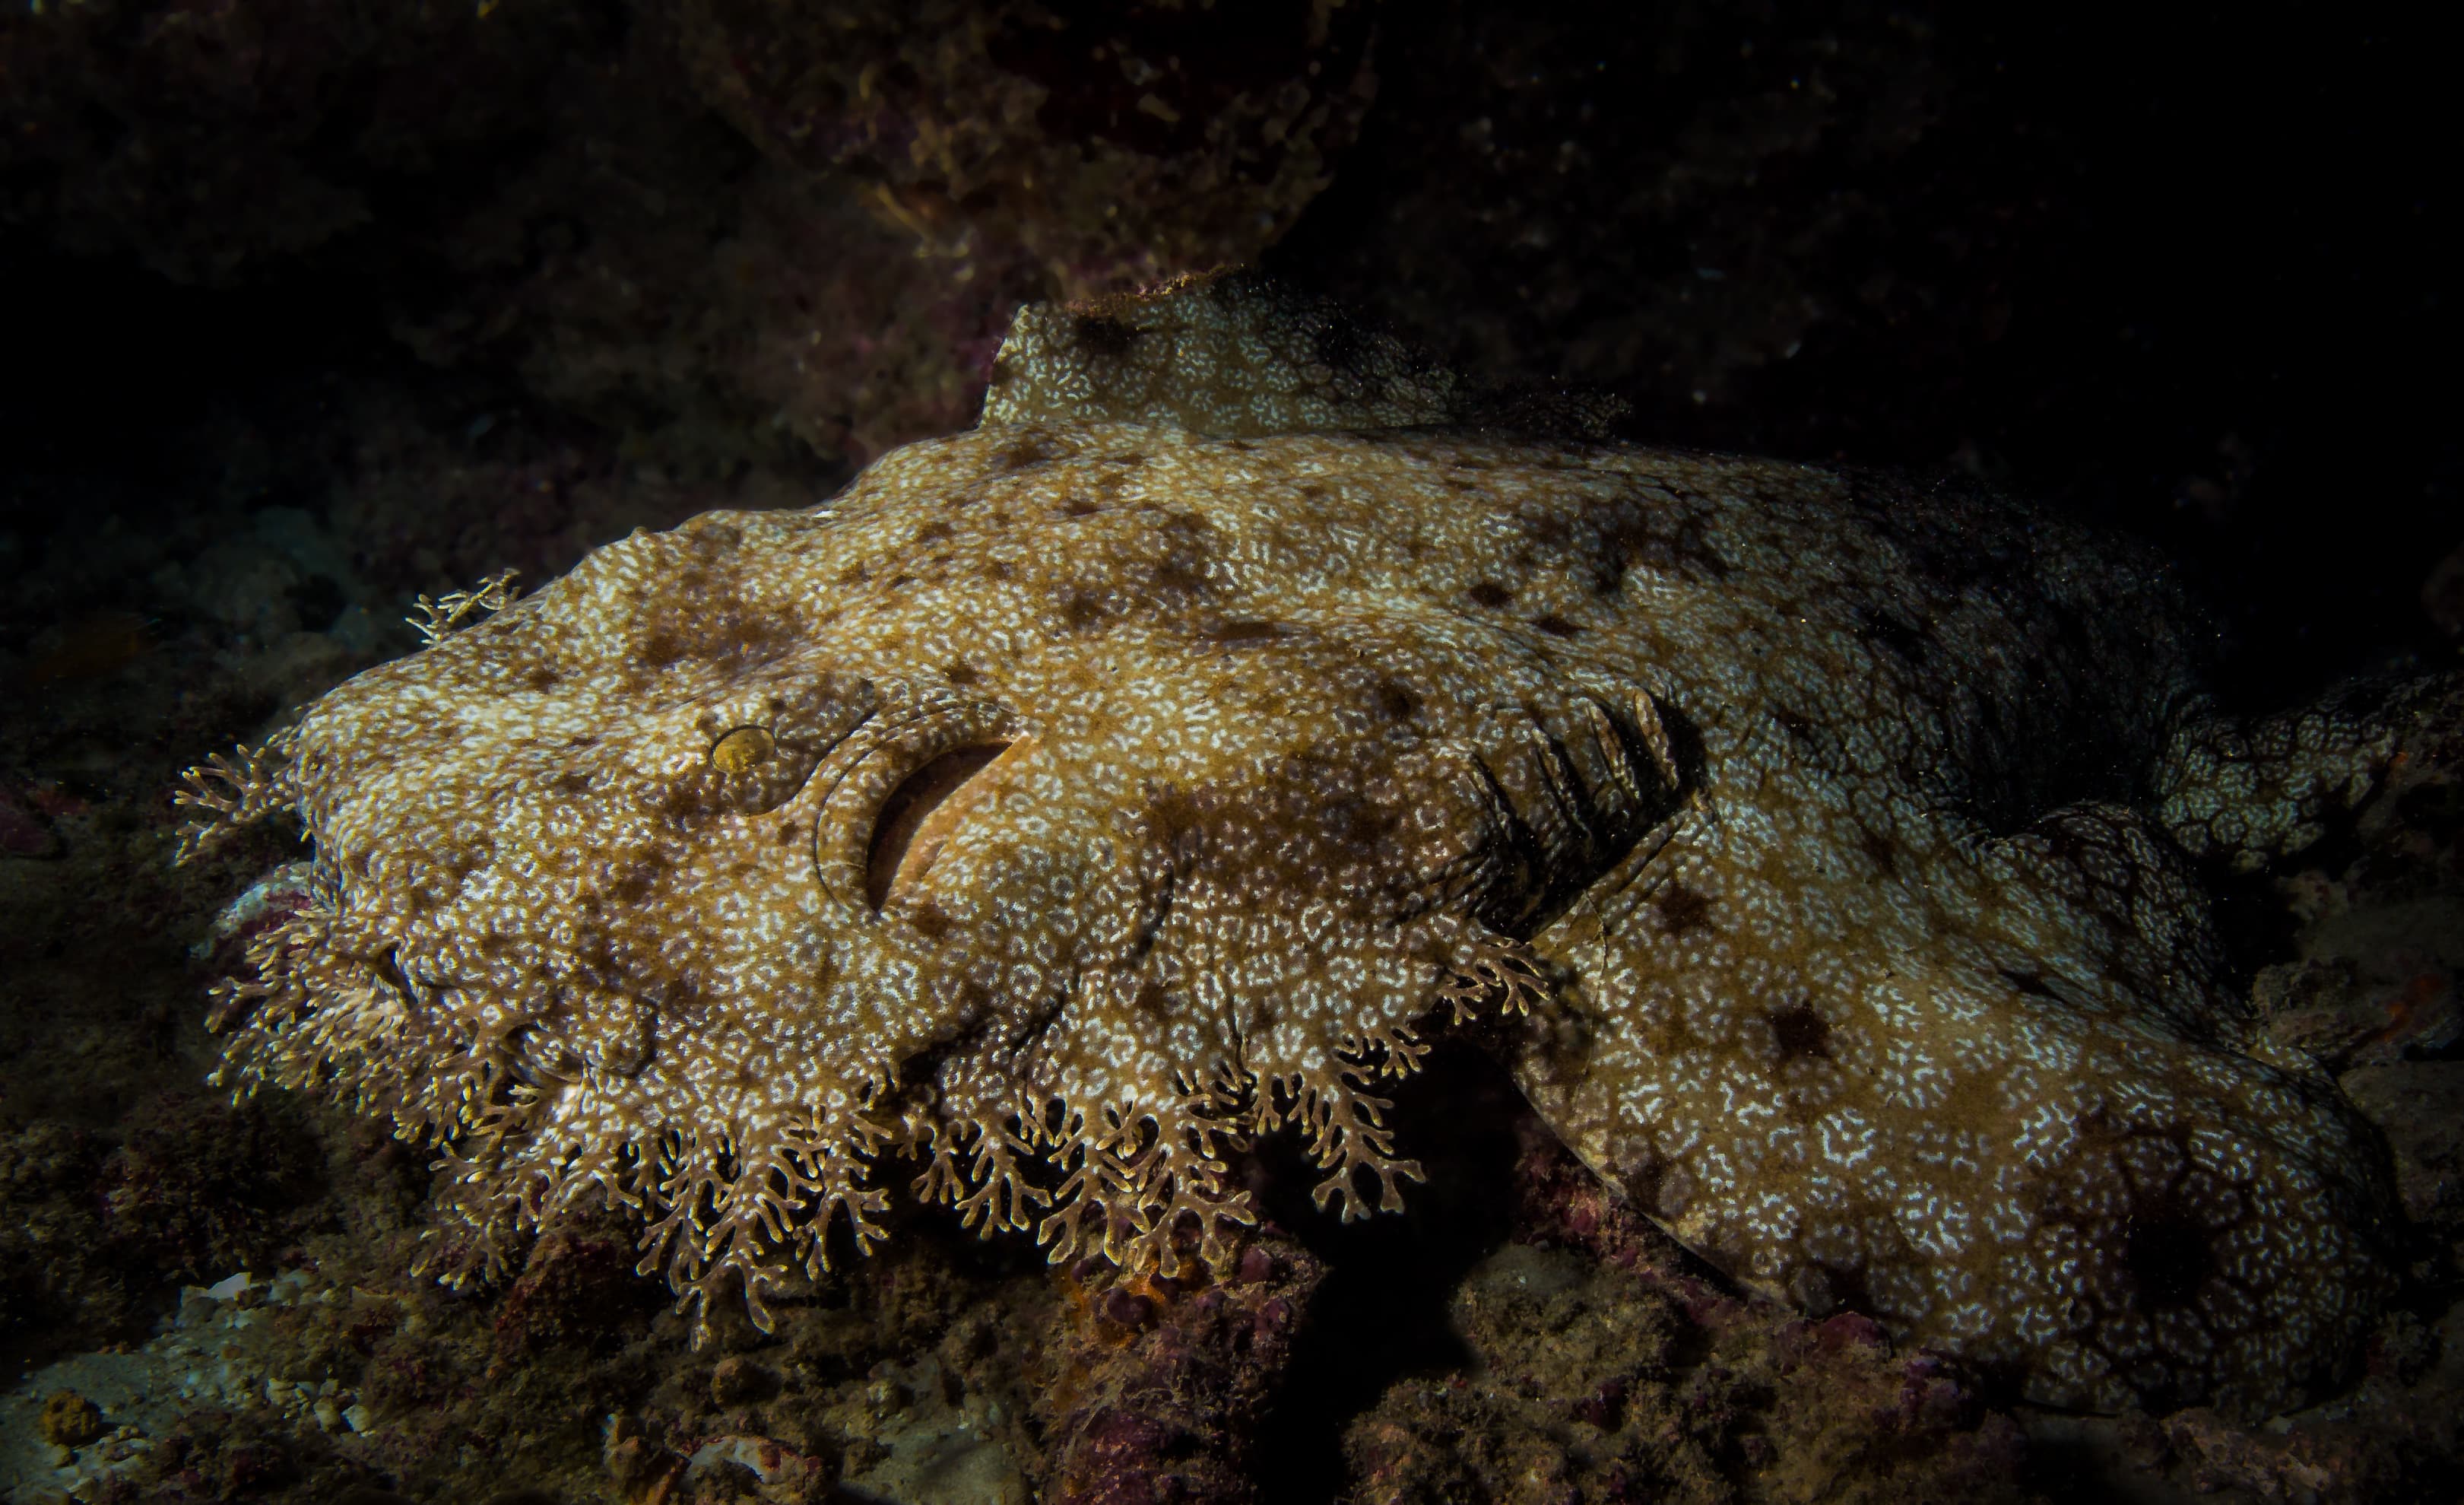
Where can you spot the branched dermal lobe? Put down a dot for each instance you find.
(1074, 801)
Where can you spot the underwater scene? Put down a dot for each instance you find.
(1176, 752)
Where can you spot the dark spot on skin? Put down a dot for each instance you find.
(1799, 1032)
(686, 804)
(854, 575)
(1396, 701)
(901, 579)
(1022, 453)
(739, 637)
(1082, 610)
(997, 569)
(1241, 630)
(1180, 574)
(572, 784)
(1683, 910)
(634, 884)
(1099, 335)
(541, 679)
(1490, 594)
(1360, 826)
(1153, 999)
(1550, 528)
(933, 532)
(1688, 551)
(928, 918)
(961, 673)
(659, 650)
(1555, 626)
(1311, 491)
(1655, 530)
(1176, 821)
(1079, 507)
(786, 833)
(1188, 552)
(2168, 1254)
(1879, 852)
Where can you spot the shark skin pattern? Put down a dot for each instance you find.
(1070, 802)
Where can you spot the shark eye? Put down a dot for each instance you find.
(920, 815)
(741, 750)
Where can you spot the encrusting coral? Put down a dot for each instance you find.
(1070, 801)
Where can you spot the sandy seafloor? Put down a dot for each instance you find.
(310, 313)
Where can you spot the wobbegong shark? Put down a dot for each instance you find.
(1067, 803)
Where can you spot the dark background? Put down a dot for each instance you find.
(2187, 269)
